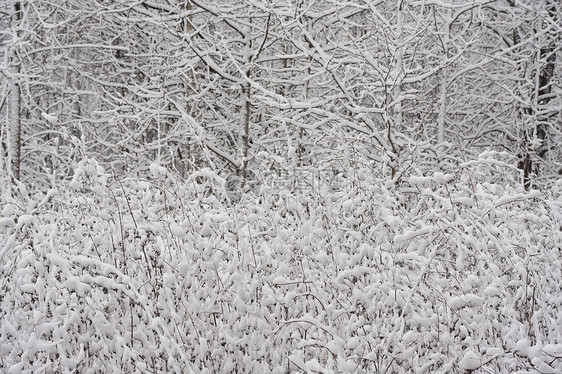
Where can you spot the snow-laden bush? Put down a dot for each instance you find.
(440, 272)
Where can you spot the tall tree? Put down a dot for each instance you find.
(12, 124)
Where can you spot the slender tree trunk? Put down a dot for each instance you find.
(445, 39)
(442, 108)
(397, 92)
(247, 111)
(14, 131)
(14, 107)
(546, 62)
(246, 135)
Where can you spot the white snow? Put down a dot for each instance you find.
(470, 361)
(158, 171)
(51, 118)
(466, 300)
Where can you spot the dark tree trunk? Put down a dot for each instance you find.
(547, 61)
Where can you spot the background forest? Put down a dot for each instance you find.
(363, 186)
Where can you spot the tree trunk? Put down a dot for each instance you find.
(14, 110)
(543, 90)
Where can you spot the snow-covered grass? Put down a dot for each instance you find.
(448, 272)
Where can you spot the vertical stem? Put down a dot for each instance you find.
(443, 79)
(442, 107)
(14, 129)
(399, 62)
(246, 136)
(247, 92)
(14, 120)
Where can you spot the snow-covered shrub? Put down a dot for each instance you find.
(432, 272)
